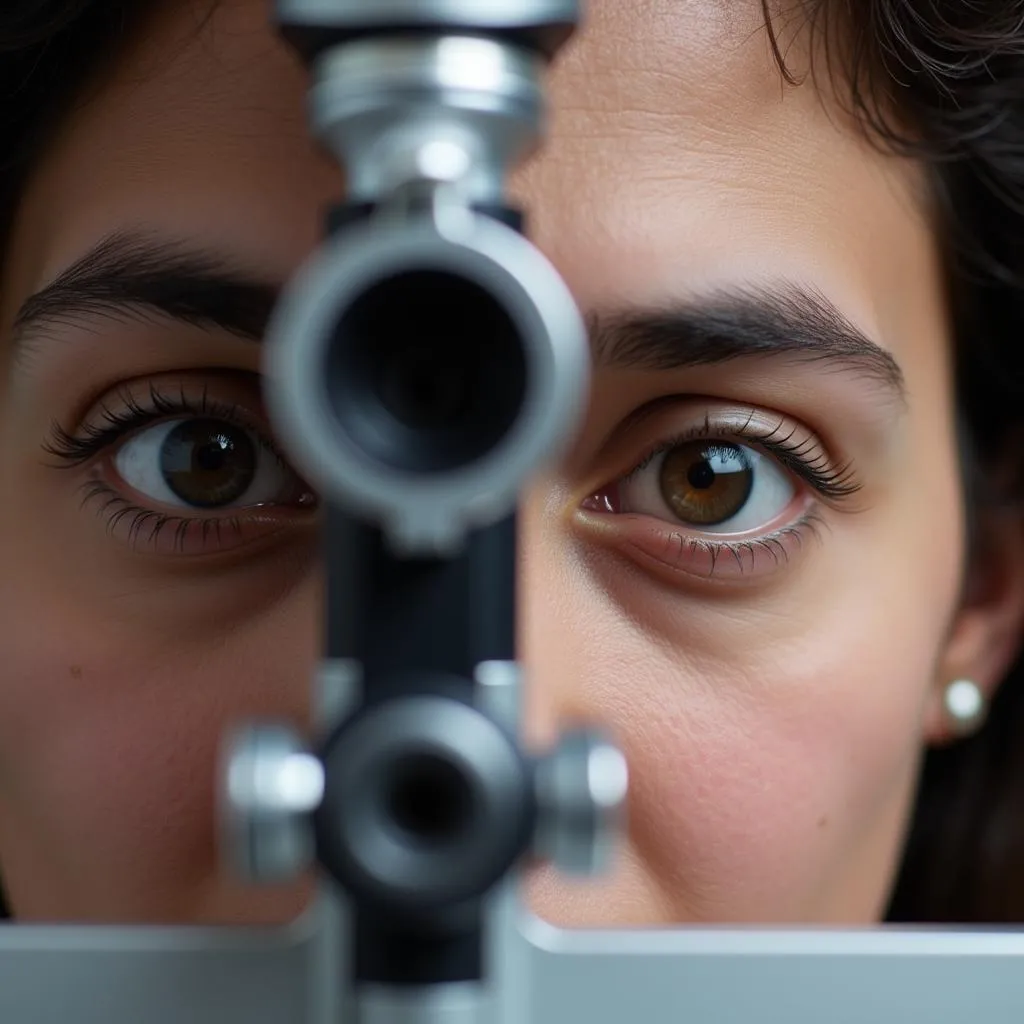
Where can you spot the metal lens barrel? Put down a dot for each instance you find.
(423, 368)
(427, 372)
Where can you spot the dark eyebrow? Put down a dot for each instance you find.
(131, 274)
(789, 320)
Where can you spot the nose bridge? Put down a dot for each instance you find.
(287, 643)
(545, 644)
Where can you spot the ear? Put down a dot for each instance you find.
(987, 632)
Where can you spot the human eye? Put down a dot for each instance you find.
(734, 492)
(180, 471)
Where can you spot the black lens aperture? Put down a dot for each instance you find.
(427, 372)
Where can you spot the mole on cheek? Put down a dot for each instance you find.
(76, 671)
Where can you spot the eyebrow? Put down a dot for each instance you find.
(136, 275)
(789, 320)
(131, 275)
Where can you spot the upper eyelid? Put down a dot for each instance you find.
(73, 448)
(841, 425)
(834, 481)
(721, 426)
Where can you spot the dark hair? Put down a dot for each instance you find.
(942, 81)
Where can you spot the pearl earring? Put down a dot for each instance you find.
(965, 706)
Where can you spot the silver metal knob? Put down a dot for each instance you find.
(271, 784)
(581, 796)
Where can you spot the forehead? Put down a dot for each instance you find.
(675, 157)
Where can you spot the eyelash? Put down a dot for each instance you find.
(805, 458)
(72, 451)
(835, 483)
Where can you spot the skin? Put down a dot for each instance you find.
(774, 719)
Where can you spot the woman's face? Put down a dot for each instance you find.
(760, 610)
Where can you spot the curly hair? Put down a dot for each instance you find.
(939, 80)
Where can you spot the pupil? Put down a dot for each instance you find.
(207, 463)
(211, 456)
(701, 475)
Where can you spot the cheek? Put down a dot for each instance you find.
(117, 789)
(109, 745)
(750, 801)
(771, 751)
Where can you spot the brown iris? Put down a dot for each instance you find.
(706, 483)
(208, 462)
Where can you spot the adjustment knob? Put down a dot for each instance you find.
(271, 784)
(427, 804)
(581, 796)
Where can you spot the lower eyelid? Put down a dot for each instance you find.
(148, 531)
(678, 554)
